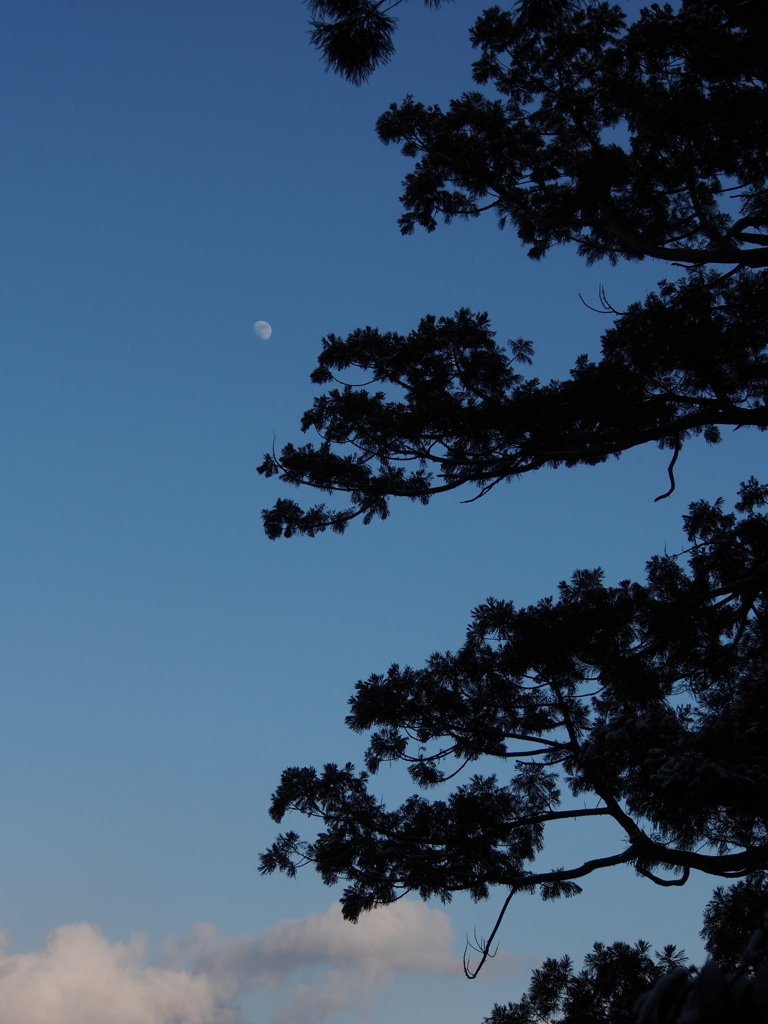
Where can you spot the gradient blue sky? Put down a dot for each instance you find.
(172, 172)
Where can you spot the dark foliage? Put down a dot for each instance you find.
(636, 140)
(450, 408)
(355, 36)
(605, 991)
(633, 140)
(623, 984)
(646, 702)
(712, 995)
(732, 917)
(642, 703)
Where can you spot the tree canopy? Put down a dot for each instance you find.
(643, 702)
(627, 983)
(641, 699)
(632, 141)
(355, 36)
(451, 408)
(605, 991)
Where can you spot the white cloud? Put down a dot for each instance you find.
(79, 977)
(352, 960)
(406, 936)
(323, 964)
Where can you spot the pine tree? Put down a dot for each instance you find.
(644, 702)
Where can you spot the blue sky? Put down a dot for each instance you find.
(172, 172)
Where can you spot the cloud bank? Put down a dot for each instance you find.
(323, 964)
(79, 977)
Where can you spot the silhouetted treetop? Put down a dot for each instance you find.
(642, 704)
(450, 408)
(604, 991)
(624, 984)
(646, 702)
(355, 36)
(636, 140)
(631, 139)
(732, 917)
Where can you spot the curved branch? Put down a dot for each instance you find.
(670, 470)
(485, 947)
(664, 881)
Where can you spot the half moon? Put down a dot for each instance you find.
(262, 329)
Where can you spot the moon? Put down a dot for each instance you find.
(262, 329)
